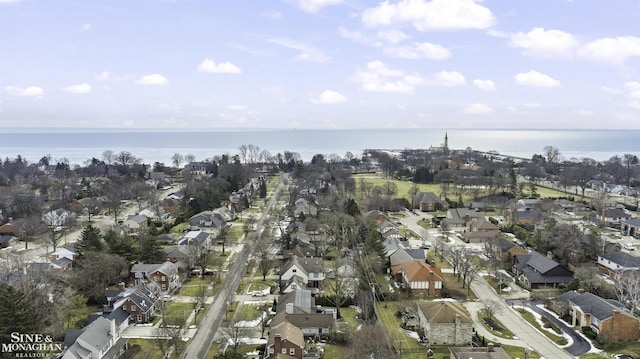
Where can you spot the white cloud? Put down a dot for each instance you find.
(392, 36)
(78, 89)
(237, 107)
(634, 89)
(313, 6)
(532, 105)
(485, 85)
(85, 27)
(329, 97)
(356, 36)
(307, 53)
(419, 50)
(9, 1)
(612, 50)
(153, 79)
(378, 77)
(535, 78)
(611, 90)
(448, 79)
(103, 76)
(584, 113)
(545, 43)
(210, 66)
(32, 91)
(477, 109)
(431, 15)
(272, 14)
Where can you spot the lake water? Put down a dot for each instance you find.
(80, 145)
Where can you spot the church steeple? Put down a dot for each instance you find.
(446, 142)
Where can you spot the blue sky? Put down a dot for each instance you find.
(320, 64)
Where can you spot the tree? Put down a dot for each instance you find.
(264, 251)
(372, 342)
(30, 228)
(168, 337)
(90, 240)
(236, 331)
(56, 220)
(94, 271)
(201, 257)
(223, 237)
(16, 315)
(177, 159)
(151, 250)
(114, 193)
(492, 307)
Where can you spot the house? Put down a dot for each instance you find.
(527, 204)
(429, 202)
(293, 284)
(310, 270)
(443, 322)
(140, 302)
(164, 274)
(100, 339)
(481, 230)
(8, 240)
(137, 223)
(489, 352)
(179, 253)
(600, 204)
(13, 227)
(196, 238)
(420, 277)
(630, 227)
(69, 252)
(404, 255)
(286, 340)
(609, 217)
(614, 263)
(527, 218)
(607, 317)
(507, 249)
(303, 206)
(207, 221)
(536, 271)
(299, 308)
(460, 218)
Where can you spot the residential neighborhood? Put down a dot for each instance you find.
(232, 259)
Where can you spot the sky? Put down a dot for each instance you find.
(209, 64)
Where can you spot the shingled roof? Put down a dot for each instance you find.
(443, 311)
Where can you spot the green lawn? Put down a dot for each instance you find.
(191, 287)
(143, 348)
(504, 333)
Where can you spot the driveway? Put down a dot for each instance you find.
(580, 344)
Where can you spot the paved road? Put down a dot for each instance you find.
(199, 345)
(579, 346)
(527, 334)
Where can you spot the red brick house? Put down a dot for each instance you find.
(420, 277)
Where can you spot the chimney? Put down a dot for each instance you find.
(580, 291)
(112, 330)
(289, 308)
(121, 286)
(490, 347)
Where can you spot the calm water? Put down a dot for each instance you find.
(79, 145)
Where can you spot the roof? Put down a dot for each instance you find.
(443, 311)
(538, 278)
(96, 334)
(311, 320)
(418, 271)
(635, 222)
(541, 263)
(596, 306)
(623, 259)
(483, 224)
(289, 332)
(479, 353)
(300, 298)
(428, 197)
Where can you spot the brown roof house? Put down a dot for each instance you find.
(442, 322)
(420, 277)
(286, 339)
(481, 230)
(429, 202)
(164, 274)
(508, 249)
(299, 308)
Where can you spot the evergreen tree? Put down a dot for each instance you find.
(351, 207)
(151, 251)
(90, 240)
(263, 189)
(16, 315)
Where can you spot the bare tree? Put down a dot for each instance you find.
(264, 250)
(371, 342)
(168, 338)
(492, 307)
(177, 159)
(188, 158)
(56, 220)
(236, 331)
(201, 257)
(627, 284)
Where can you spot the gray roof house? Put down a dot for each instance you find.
(405, 255)
(429, 202)
(537, 271)
(616, 262)
(100, 339)
(458, 218)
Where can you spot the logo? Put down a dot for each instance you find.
(30, 345)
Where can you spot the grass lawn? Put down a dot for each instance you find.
(179, 312)
(529, 317)
(191, 287)
(349, 315)
(78, 318)
(435, 258)
(629, 348)
(335, 351)
(248, 312)
(143, 348)
(387, 315)
(504, 333)
(451, 283)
